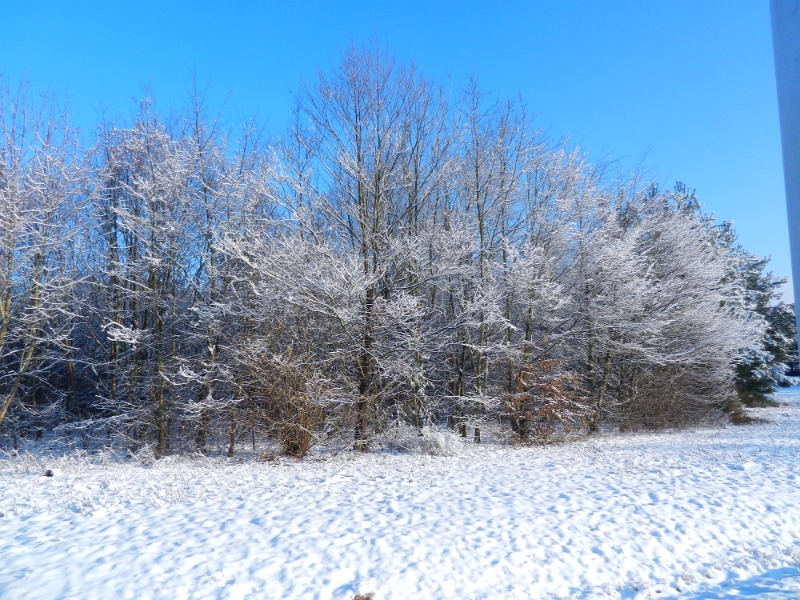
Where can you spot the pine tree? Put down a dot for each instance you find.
(763, 366)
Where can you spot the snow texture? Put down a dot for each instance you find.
(702, 514)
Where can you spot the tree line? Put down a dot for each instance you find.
(404, 255)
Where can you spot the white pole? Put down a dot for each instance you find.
(786, 45)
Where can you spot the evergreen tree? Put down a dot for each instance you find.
(764, 364)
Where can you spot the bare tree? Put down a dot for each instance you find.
(41, 194)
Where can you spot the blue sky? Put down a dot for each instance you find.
(686, 85)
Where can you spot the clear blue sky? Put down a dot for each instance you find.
(688, 83)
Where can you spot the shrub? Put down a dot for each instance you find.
(546, 405)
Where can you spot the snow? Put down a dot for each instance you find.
(700, 514)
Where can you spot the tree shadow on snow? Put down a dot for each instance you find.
(776, 584)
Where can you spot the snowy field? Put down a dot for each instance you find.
(703, 514)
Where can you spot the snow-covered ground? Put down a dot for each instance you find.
(704, 514)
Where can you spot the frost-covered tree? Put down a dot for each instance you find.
(400, 257)
(42, 181)
(144, 206)
(764, 364)
(367, 168)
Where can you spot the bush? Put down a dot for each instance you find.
(547, 404)
(290, 399)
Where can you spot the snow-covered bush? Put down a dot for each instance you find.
(425, 440)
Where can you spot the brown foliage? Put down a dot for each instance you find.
(291, 402)
(546, 405)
